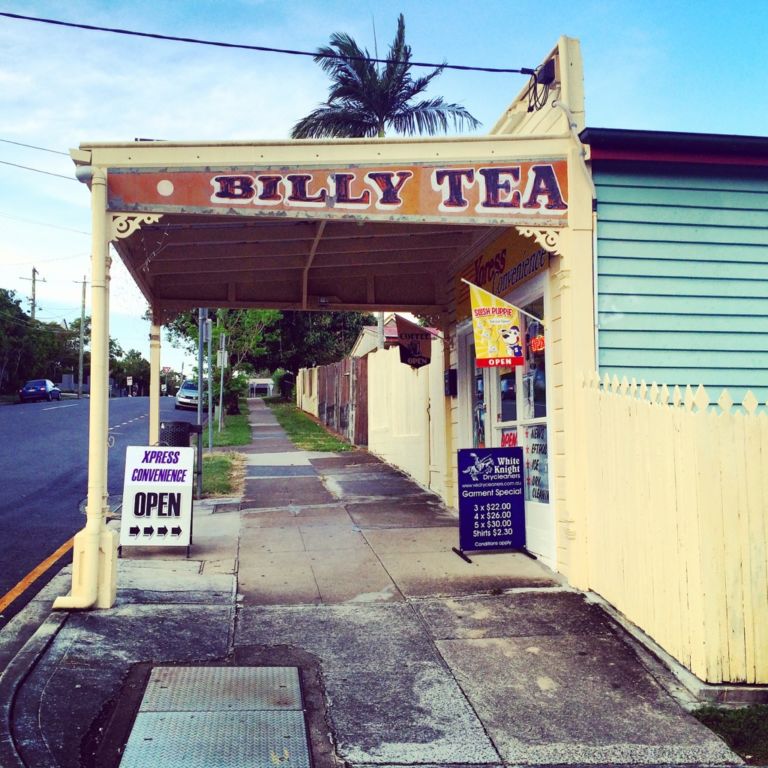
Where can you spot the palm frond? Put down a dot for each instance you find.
(328, 121)
(364, 98)
(432, 116)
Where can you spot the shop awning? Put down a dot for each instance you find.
(342, 225)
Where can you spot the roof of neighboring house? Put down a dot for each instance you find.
(367, 340)
(611, 144)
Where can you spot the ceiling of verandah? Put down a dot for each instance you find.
(184, 261)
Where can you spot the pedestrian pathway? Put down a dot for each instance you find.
(340, 568)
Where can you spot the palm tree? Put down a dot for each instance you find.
(365, 98)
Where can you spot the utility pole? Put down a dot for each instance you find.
(33, 302)
(209, 339)
(34, 293)
(222, 366)
(202, 316)
(380, 334)
(82, 343)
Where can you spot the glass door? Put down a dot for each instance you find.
(519, 418)
(478, 404)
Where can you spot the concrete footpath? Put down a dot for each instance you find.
(336, 568)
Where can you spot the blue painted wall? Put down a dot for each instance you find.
(682, 277)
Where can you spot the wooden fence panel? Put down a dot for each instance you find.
(759, 540)
(677, 521)
(360, 373)
(342, 398)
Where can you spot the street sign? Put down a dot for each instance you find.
(129, 380)
(157, 497)
(491, 502)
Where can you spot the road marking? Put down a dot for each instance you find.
(56, 407)
(34, 574)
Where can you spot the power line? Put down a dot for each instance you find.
(37, 170)
(25, 322)
(262, 48)
(32, 146)
(46, 224)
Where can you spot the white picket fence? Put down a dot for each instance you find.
(677, 521)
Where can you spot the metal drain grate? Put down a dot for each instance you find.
(222, 689)
(220, 717)
(217, 740)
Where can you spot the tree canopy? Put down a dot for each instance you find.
(306, 339)
(266, 340)
(366, 98)
(31, 349)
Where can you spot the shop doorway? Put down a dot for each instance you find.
(510, 407)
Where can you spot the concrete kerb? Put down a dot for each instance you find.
(13, 677)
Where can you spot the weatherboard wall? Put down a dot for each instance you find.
(682, 277)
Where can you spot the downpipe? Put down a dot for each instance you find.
(85, 571)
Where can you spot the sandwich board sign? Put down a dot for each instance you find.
(491, 501)
(157, 497)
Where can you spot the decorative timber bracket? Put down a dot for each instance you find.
(549, 239)
(123, 225)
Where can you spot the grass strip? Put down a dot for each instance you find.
(235, 429)
(303, 430)
(223, 474)
(745, 730)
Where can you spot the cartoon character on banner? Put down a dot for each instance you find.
(511, 338)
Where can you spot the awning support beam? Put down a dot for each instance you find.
(308, 265)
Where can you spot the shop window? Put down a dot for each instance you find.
(534, 376)
(478, 404)
(520, 405)
(536, 464)
(508, 394)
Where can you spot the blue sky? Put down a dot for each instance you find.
(699, 67)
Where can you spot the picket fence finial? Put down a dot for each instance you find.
(701, 398)
(725, 401)
(677, 397)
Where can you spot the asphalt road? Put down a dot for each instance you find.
(44, 477)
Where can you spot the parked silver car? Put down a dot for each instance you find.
(187, 395)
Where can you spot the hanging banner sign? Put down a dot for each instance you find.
(502, 267)
(517, 191)
(496, 326)
(157, 497)
(414, 341)
(491, 504)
